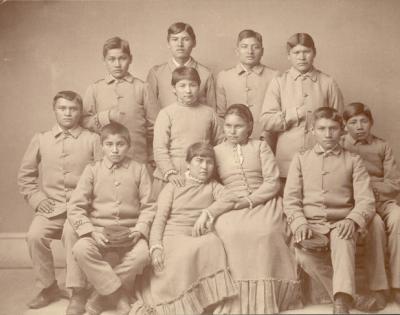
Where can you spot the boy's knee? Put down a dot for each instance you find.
(376, 226)
(81, 248)
(393, 221)
(35, 236)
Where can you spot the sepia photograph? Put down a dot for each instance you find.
(183, 157)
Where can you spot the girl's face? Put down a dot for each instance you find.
(236, 129)
(187, 91)
(201, 167)
(301, 58)
(181, 45)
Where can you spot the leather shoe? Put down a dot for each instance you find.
(45, 297)
(380, 298)
(95, 305)
(396, 295)
(365, 303)
(341, 304)
(77, 302)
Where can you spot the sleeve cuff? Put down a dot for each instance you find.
(84, 228)
(36, 199)
(361, 220)
(296, 222)
(291, 117)
(142, 228)
(103, 118)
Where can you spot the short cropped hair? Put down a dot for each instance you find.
(201, 149)
(70, 96)
(115, 129)
(249, 34)
(116, 43)
(243, 112)
(354, 109)
(180, 27)
(327, 113)
(185, 73)
(303, 39)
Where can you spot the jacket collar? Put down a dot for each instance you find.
(295, 74)
(75, 132)
(355, 141)
(190, 63)
(258, 69)
(124, 163)
(335, 151)
(110, 79)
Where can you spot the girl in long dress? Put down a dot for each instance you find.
(254, 232)
(190, 271)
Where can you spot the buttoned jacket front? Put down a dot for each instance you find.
(285, 95)
(60, 157)
(325, 187)
(240, 86)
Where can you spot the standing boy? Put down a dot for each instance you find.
(385, 180)
(122, 98)
(247, 82)
(111, 210)
(63, 153)
(328, 194)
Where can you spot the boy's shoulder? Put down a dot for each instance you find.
(159, 67)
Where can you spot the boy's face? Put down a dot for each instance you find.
(201, 167)
(68, 113)
(117, 62)
(115, 148)
(249, 51)
(301, 58)
(359, 127)
(327, 133)
(187, 91)
(181, 45)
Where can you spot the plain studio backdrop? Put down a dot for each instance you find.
(50, 46)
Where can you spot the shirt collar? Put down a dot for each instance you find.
(320, 150)
(355, 141)
(194, 179)
(110, 79)
(295, 74)
(190, 63)
(258, 69)
(75, 132)
(124, 163)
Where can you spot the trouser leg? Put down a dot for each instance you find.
(75, 277)
(40, 234)
(343, 263)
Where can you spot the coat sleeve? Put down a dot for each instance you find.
(221, 96)
(222, 203)
(91, 119)
(151, 108)
(293, 195)
(273, 116)
(28, 174)
(80, 203)
(388, 187)
(364, 201)
(147, 204)
(271, 183)
(210, 92)
(164, 206)
(336, 97)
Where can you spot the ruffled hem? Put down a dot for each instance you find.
(269, 296)
(203, 293)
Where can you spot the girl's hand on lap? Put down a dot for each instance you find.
(135, 236)
(201, 226)
(241, 204)
(157, 259)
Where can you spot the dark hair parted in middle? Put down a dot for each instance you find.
(180, 27)
(355, 109)
(303, 39)
(327, 113)
(185, 73)
(243, 112)
(249, 34)
(115, 129)
(201, 149)
(70, 96)
(116, 43)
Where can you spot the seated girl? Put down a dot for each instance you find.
(189, 261)
(254, 233)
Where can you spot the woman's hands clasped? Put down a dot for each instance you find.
(157, 259)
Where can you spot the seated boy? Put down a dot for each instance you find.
(385, 180)
(122, 98)
(328, 193)
(62, 152)
(111, 210)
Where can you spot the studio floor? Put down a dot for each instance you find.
(17, 286)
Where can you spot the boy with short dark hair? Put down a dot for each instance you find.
(62, 153)
(328, 194)
(385, 180)
(123, 98)
(111, 210)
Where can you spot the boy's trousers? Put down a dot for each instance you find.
(40, 234)
(382, 241)
(104, 278)
(334, 270)
(74, 278)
